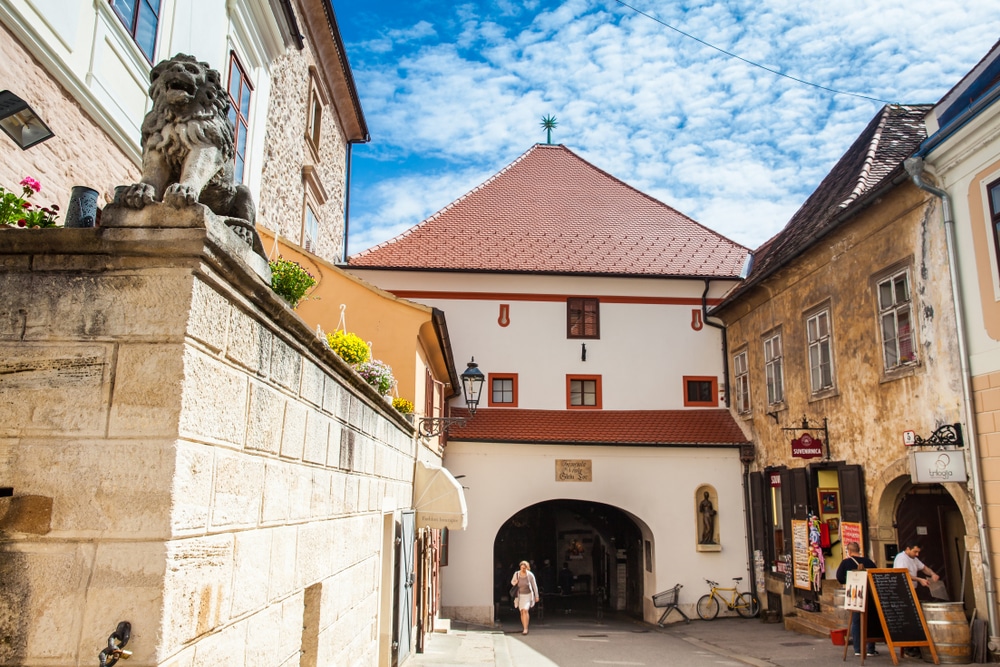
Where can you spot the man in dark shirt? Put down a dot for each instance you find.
(855, 561)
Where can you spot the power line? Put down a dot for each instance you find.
(749, 62)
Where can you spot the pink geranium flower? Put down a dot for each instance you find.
(29, 182)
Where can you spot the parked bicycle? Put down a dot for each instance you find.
(745, 604)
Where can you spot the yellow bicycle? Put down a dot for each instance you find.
(745, 604)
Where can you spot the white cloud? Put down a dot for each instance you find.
(731, 145)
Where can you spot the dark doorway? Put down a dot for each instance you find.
(929, 515)
(599, 545)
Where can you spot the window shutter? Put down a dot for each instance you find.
(852, 499)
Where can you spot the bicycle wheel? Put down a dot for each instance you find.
(747, 605)
(708, 607)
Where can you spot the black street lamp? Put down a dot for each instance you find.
(472, 387)
(20, 121)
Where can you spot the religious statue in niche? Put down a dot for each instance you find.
(708, 515)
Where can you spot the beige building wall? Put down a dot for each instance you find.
(184, 455)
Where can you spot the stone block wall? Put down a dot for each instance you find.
(185, 455)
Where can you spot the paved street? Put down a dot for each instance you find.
(572, 642)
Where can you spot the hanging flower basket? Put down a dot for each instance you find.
(290, 281)
(378, 374)
(348, 347)
(403, 405)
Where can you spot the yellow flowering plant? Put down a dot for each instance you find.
(403, 405)
(348, 347)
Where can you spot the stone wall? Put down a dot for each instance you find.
(286, 151)
(185, 455)
(80, 153)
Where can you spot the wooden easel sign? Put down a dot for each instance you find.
(899, 613)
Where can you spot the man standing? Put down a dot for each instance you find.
(855, 561)
(907, 558)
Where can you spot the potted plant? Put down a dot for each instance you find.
(17, 210)
(348, 347)
(378, 374)
(290, 281)
(403, 405)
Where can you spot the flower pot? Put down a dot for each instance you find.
(82, 208)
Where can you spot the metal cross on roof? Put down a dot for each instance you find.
(548, 124)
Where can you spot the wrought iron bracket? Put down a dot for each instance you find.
(809, 426)
(430, 427)
(949, 435)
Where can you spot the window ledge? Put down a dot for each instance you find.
(824, 394)
(901, 371)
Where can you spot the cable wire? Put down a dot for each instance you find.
(748, 62)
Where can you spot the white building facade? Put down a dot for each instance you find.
(602, 424)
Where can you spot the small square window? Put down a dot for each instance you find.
(582, 318)
(701, 392)
(503, 390)
(583, 392)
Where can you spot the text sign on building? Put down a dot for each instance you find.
(807, 447)
(574, 470)
(937, 466)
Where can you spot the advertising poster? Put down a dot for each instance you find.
(851, 532)
(800, 553)
(856, 591)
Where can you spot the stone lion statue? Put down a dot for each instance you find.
(187, 146)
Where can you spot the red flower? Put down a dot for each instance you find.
(22, 222)
(25, 204)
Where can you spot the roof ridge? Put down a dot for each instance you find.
(870, 155)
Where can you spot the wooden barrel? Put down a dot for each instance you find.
(950, 631)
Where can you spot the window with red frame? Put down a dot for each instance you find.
(701, 392)
(583, 318)
(239, 113)
(503, 390)
(583, 392)
(141, 18)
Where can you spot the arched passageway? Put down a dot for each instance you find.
(583, 554)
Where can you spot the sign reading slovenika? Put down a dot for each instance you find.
(807, 447)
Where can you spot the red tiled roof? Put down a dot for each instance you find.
(604, 427)
(873, 163)
(550, 211)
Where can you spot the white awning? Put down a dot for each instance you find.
(438, 498)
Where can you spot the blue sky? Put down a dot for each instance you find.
(455, 91)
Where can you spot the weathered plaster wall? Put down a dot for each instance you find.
(283, 190)
(185, 455)
(869, 410)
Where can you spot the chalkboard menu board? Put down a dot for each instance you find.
(897, 607)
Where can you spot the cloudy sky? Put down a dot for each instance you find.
(454, 91)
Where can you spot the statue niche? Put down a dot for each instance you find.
(188, 148)
(706, 503)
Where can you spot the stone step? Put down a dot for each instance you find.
(817, 625)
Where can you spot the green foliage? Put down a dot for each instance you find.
(290, 281)
(348, 347)
(403, 405)
(17, 210)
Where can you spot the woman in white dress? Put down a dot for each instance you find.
(527, 592)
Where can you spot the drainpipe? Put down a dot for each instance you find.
(748, 525)
(347, 198)
(915, 167)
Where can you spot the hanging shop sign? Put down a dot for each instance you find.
(807, 447)
(937, 466)
(775, 479)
